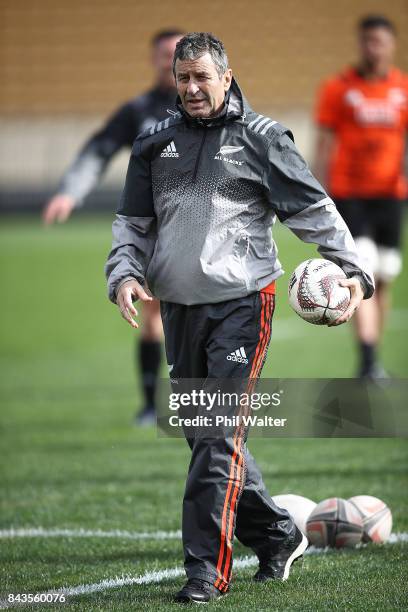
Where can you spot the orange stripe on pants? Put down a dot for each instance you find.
(226, 534)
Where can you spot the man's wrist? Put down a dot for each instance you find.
(123, 281)
(362, 282)
(74, 201)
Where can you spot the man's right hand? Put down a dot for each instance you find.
(58, 209)
(128, 293)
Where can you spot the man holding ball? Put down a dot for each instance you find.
(201, 195)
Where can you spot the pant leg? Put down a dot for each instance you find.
(219, 466)
(186, 330)
(260, 523)
(184, 338)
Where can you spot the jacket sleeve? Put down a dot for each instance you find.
(134, 230)
(301, 203)
(89, 165)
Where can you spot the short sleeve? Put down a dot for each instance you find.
(406, 102)
(328, 105)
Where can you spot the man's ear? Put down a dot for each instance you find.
(227, 77)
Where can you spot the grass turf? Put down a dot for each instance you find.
(71, 458)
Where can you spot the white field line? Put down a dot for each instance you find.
(397, 538)
(165, 574)
(86, 533)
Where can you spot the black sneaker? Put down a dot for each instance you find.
(276, 566)
(197, 591)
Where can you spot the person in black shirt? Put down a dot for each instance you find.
(87, 169)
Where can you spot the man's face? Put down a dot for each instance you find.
(162, 60)
(377, 46)
(201, 89)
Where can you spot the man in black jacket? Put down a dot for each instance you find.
(87, 170)
(202, 191)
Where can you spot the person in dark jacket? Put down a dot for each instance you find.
(202, 191)
(87, 170)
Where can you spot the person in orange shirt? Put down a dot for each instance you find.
(362, 116)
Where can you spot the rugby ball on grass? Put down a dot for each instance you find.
(334, 522)
(376, 517)
(298, 507)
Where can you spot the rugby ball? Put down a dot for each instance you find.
(298, 507)
(376, 517)
(315, 293)
(334, 522)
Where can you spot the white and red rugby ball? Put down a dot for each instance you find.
(334, 522)
(376, 517)
(315, 293)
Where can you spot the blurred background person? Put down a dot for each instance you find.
(87, 170)
(362, 114)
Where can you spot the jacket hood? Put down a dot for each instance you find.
(235, 107)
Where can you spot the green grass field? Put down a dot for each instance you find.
(71, 458)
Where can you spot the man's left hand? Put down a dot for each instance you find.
(357, 295)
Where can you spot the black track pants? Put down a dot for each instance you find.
(225, 494)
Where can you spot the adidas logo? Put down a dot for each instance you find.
(170, 151)
(238, 355)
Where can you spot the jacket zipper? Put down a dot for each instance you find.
(199, 154)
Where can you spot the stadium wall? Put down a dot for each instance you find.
(66, 65)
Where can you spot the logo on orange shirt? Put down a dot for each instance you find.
(378, 111)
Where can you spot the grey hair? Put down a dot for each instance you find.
(196, 44)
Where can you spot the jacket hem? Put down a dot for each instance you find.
(205, 298)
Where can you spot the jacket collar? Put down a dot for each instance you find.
(235, 107)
